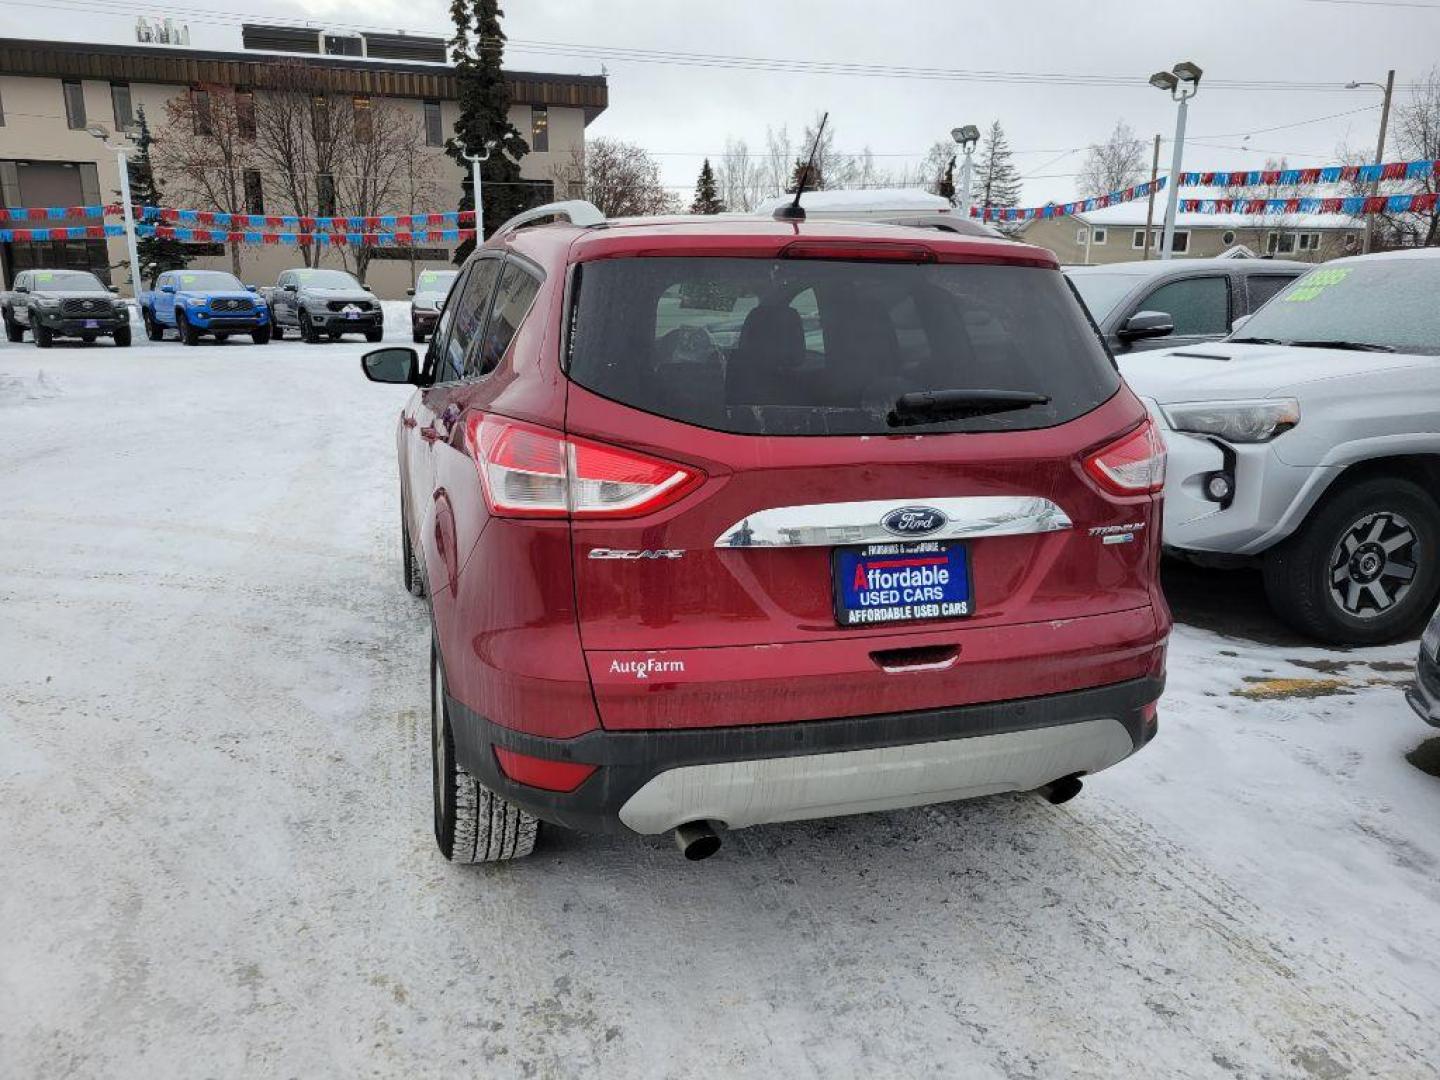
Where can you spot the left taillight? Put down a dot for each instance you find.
(530, 471)
(1133, 464)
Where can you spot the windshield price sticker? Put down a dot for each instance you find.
(1315, 283)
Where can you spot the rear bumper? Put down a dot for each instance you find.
(424, 320)
(651, 781)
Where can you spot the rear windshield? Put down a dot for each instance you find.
(810, 347)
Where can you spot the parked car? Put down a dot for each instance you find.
(1308, 443)
(64, 303)
(324, 303)
(679, 582)
(194, 303)
(1168, 302)
(426, 300)
(1424, 696)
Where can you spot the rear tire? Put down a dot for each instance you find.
(373, 336)
(417, 336)
(122, 337)
(222, 338)
(1364, 568)
(89, 339)
(472, 823)
(277, 332)
(153, 330)
(188, 335)
(43, 337)
(261, 336)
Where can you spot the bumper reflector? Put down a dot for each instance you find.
(541, 772)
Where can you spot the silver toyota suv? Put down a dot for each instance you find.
(1308, 442)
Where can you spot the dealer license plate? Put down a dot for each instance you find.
(887, 583)
(92, 324)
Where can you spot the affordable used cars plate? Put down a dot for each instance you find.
(885, 583)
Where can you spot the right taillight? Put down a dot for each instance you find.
(1133, 464)
(530, 471)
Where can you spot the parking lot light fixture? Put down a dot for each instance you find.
(966, 138)
(1181, 82)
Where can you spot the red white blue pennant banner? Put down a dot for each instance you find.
(74, 232)
(1079, 206)
(1355, 205)
(301, 223)
(1329, 174)
(396, 238)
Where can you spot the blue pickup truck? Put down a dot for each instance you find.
(198, 302)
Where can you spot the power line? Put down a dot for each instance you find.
(730, 61)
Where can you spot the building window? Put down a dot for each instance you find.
(254, 192)
(434, 134)
(1098, 236)
(1309, 241)
(320, 117)
(1280, 244)
(1227, 237)
(200, 111)
(74, 104)
(325, 194)
(1182, 242)
(540, 129)
(364, 120)
(1082, 236)
(1138, 240)
(120, 99)
(245, 113)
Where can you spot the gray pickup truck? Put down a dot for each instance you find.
(64, 303)
(324, 303)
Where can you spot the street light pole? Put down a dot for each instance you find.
(1183, 82)
(1388, 89)
(475, 182)
(128, 213)
(966, 137)
(101, 132)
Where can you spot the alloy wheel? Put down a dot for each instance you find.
(1374, 565)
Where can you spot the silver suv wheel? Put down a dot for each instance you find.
(1373, 566)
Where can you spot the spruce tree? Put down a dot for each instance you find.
(997, 183)
(706, 199)
(477, 49)
(156, 255)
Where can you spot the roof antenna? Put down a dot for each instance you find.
(794, 211)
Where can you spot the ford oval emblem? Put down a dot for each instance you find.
(913, 521)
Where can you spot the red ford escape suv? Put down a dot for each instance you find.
(726, 521)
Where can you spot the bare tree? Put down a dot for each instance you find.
(741, 176)
(620, 178)
(300, 136)
(779, 161)
(1113, 165)
(382, 165)
(938, 172)
(204, 149)
(1417, 138)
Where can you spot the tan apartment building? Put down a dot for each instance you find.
(52, 93)
(1117, 234)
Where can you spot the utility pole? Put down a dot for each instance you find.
(1150, 210)
(1380, 153)
(475, 160)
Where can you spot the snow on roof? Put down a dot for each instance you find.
(1133, 213)
(872, 199)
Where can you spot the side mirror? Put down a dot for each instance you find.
(1147, 324)
(251, 288)
(396, 364)
(115, 289)
(290, 287)
(167, 288)
(440, 304)
(367, 288)
(1241, 321)
(409, 292)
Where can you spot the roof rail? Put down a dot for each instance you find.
(576, 211)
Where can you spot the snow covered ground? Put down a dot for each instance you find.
(215, 850)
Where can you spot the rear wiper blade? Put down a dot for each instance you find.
(937, 406)
(1353, 346)
(1253, 341)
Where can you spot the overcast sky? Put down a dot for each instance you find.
(681, 112)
